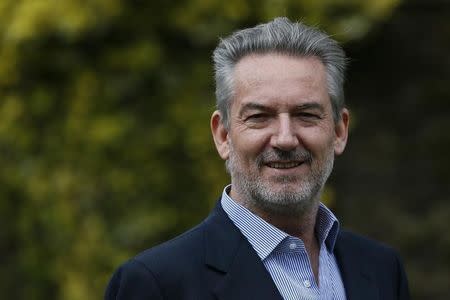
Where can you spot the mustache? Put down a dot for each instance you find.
(282, 155)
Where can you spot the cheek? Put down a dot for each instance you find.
(249, 144)
(318, 142)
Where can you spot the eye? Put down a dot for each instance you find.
(257, 117)
(308, 115)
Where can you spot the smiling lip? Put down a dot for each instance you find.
(283, 164)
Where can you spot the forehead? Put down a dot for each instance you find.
(277, 62)
(279, 79)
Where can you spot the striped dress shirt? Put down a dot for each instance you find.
(285, 256)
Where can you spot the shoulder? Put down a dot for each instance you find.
(155, 272)
(177, 251)
(133, 279)
(377, 260)
(360, 242)
(362, 247)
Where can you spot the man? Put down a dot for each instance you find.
(280, 121)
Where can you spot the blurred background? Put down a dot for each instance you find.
(105, 147)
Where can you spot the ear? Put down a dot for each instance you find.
(220, 135)
(341, 132)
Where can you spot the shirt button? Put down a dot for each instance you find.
(292, 246)
(307, 284)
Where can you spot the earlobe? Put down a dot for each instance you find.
(220, 135)
(341, 132)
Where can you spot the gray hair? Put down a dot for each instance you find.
(279, 36)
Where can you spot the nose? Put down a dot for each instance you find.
(285, 138)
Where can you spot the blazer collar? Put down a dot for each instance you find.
(243, 275)
(358, 281)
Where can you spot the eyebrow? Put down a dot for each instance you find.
(253, 106)
(311, 105)
(261, 107)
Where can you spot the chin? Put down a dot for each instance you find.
(288, 185)
(287, 207)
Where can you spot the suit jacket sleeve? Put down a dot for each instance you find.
(133, 281)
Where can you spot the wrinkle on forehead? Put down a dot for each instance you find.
(258, 73)
(285, 66)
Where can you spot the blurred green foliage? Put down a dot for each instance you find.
(105, 146)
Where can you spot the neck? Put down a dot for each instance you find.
(297, 221)
(301, 224)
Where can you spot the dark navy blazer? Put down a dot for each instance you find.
(215, 261)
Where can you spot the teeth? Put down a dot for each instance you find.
(283, 165)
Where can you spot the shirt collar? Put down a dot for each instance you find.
(264, 237)
(327, 227)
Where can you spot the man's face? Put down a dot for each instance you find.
(282, 138)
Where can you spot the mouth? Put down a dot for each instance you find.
(283, 164)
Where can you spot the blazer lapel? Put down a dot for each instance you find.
(357, 279)
(239, 271)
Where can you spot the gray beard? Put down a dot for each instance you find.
(287, 201)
